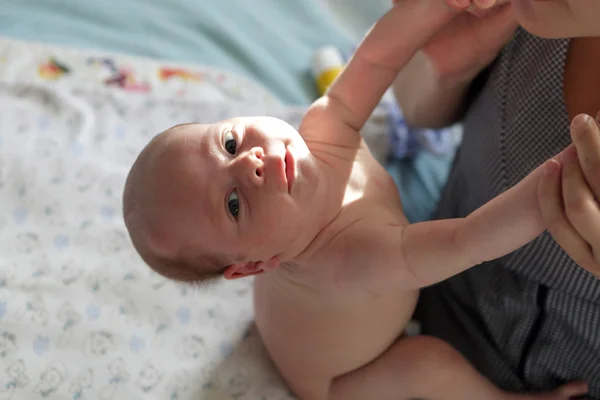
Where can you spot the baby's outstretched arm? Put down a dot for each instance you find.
(421, 254)
(437, 250)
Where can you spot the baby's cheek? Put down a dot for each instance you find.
(273, 223)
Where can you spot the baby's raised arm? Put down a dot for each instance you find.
(384, 51)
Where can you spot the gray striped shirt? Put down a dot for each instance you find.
(527, 321)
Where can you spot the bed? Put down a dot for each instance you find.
(83, 86)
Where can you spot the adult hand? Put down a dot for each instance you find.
(569, 193)
(472, 40)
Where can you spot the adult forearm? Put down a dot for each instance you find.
(426, 99)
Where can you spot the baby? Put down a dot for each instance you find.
(320, 223)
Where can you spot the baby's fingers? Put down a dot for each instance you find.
(472, 5)
(555, 219)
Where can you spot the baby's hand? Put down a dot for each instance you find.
(470, 5)
(569, 192)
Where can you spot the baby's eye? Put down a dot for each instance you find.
(233, 204)
(229, 143)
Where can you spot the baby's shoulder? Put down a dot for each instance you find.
(321, 127)
(357, 253)
(379, 188)
(360, 223)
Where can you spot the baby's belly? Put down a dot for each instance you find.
(302, 330)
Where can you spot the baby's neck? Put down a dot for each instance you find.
(329, 200)
(315, 262)
(327, 205)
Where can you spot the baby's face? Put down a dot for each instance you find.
(242, 188)
(559, 18)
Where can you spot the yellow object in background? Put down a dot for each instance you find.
(327, 65)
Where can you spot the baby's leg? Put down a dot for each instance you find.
(423, 367)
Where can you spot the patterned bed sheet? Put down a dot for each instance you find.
(81, 317)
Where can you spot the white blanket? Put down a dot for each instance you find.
(81, 317)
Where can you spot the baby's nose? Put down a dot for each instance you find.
(253, 166)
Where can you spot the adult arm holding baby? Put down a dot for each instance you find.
(433, 86)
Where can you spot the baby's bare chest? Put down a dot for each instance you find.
(350, 334)
(370, 181)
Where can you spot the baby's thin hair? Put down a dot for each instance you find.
(140, 215)
(203, 269)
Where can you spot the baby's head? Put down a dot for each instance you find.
(559, 18)
(232, 199)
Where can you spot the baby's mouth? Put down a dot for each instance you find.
(288, 166)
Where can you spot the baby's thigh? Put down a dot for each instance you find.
(414, 367)
(426, 353)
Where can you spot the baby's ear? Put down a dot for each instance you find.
(249, 268)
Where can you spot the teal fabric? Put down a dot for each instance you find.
(420, 181)
(271, 41)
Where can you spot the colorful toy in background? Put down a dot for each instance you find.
(122, 77)
(327, 64)
(166, 74)
(405, 142)
(52, 69)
